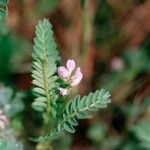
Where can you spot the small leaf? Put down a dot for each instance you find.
(89, 98)
(83, 115)
(39, 90)
(72, 121)
(39, 106)
(38, 83)
(69, 128)
(41, 99)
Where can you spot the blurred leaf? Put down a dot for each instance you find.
(142, 132)
(104, 23)
(10, 145)
(3, 8)
(140, 61)
(45, 6)
(11, 104)
(65, 144)
(97, 132)
(136, 61)
(12, 51)
(4, 2)
(131, 145)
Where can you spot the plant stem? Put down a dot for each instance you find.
(86, 28)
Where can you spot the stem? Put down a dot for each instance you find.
(46, 145)
(86, 28)
(46, 115)
(43, 61)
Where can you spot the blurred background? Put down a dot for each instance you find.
(110, 40)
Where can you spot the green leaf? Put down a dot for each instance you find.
(83, 115)
(45, 56)
(80, 108)
(3, 8)
(39, 90)
(4, 2)
(10, 145)
(142, 132)
(69, 128)
(11, 103)
(39, 106)
(72, 121)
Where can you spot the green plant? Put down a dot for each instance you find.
(52, 83)
(3, 8)
(44, 67)
(142, 132)
(44, 6)
(11, 105)
(10, 145)
(10, 102)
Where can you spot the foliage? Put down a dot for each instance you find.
(142, 132)
(3, 8)
(130, 70)
(97, 132)
(11, 57)
(44, 68)
(10, 103)
(116, 39)
(10, 145)
(81, 107)
(104, 21)
(45, 6)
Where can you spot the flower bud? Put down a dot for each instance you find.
(63, 91)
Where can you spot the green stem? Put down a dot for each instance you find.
(86, 28)
(47, 113)
(46, 116)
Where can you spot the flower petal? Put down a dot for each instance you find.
(77, 77)
(63, 72)
(70, 65)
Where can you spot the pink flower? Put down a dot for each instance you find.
(77, 77)
(65, 73)
(117, 63)
(63, 91)
(70, 65)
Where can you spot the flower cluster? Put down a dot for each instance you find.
(70, 75)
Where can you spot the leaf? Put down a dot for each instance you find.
(10, 145)
(69, 128)
(83, 115)
(79, 108)
(93, 101)
(72, 121)
(11, 103)
(142, 132)
(3, 8)
(44, 56)
(4, 2)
